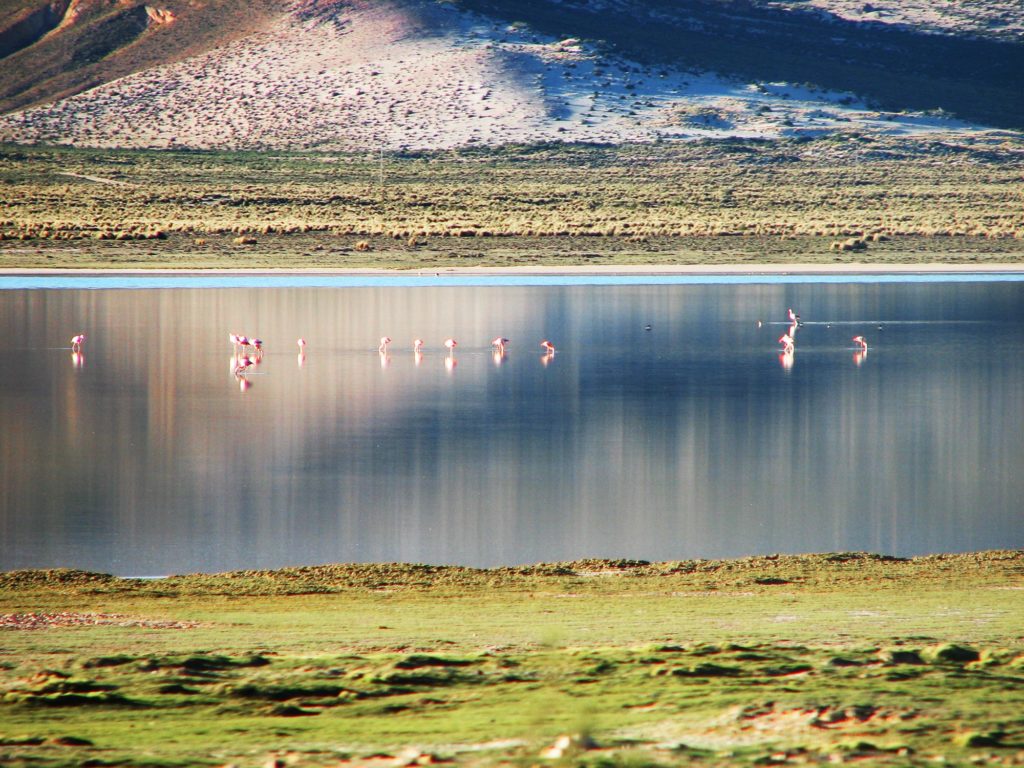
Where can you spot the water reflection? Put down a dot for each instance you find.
(638, 443)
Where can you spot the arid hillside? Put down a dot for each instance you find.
(362, 75)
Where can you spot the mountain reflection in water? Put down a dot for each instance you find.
(694, 438)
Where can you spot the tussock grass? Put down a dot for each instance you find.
(755, 200)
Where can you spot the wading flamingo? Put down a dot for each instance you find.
(861, 342)
(242, 364)
(384, 341)
(258, 346)
(77, 342)
(417, 345)
(500, 343)
(793, 316)
(451, 344)
(549, 348)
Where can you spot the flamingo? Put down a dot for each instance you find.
(549, 348)
(302, 345)
(451, 344)
(258, 346)
(77, 342)
(793, 316)
(787, 343)
(500, 343)
(417, 345)
(384, 341)
(863, 344)
(242, 364)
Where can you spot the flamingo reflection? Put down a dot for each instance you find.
(861, 354)
(786, 359)
(786, 340)
(78, 359)
(450, 362)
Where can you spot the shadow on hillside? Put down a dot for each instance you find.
(893, 67)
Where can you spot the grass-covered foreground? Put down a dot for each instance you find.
(777, 660)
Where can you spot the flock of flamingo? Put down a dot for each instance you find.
(788, 342)
(247, 351)
(242, 358)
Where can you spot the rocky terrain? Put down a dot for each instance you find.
(368, 75)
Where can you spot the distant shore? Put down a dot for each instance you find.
(610, 270)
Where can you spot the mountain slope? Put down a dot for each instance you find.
(420, 74)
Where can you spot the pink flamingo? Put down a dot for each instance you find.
(302, 345)
(242, 364)
(863, 344)
(549, 348)
(500, 343)
(787, 343)
(77, 342)
(417, 345)
(384, 341)
(258, 346)
(451, 344)
(793, 316)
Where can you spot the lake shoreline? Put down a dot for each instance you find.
(610, 270)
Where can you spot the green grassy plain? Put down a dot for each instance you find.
(722, 202)
(770, 660)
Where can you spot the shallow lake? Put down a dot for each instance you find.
(147, 454)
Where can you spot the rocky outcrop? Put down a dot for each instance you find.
(30, 25)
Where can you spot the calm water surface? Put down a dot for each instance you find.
(692, 439)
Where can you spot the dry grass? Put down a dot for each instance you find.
(832, 188)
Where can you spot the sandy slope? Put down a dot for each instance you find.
(420, 74)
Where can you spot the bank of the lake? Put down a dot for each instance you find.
(768, 660)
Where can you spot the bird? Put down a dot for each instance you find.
(302, 345)
(77, 342)
(787, 342)
(242, 364)
(793, 316)
(258, 346)
(451, 344)
(417, 345)
(861, 342)
(384, 341)
(647, 327)
(549, 348)
(500, 343)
